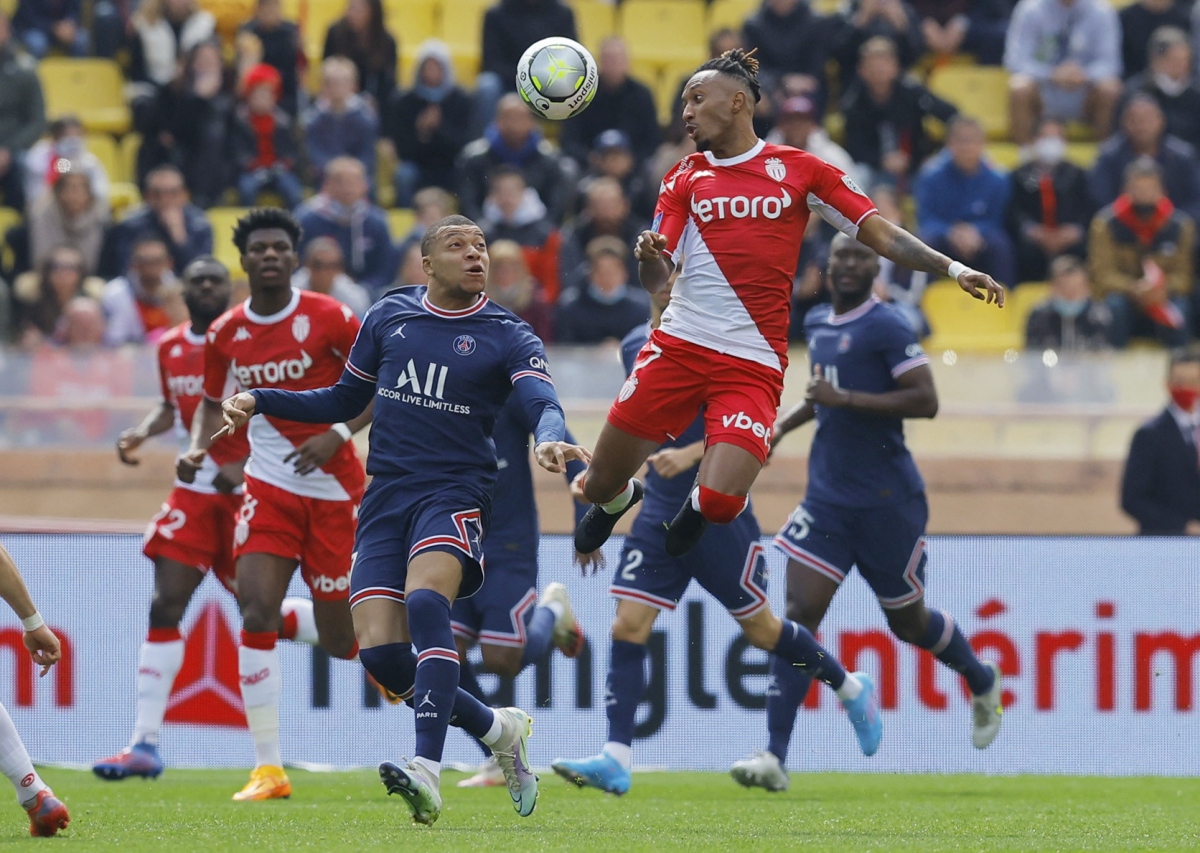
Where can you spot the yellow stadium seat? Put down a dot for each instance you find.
(979, 91)
(595, 20)
(92, 89)
(319, 15)
(105, 149)
(964, 324)
(291, 10)
(1082, 154)
(131, 143)
(1024, 298)
(400, 221)
(827, 7)
(730, 13)
(223, 220)
(664, 30)
(1006, 155)
(410, 22)
(8, 218)
(461, 28)
(122, 195)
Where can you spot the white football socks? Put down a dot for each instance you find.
(622, 753)
(15, 763)
(850, 689)
(262, 684)
(620, 501)
(306, 623)
(158, 665)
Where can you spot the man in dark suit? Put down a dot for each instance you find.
(1161, 485)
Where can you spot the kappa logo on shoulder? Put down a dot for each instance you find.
(242, 334)
(176, 351)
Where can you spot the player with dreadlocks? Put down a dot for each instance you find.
(736, 211)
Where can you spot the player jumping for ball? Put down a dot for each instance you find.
(865, 504)
(731, 566)
(303, 482)
(736, 211)
(193, 532)
(439, 362)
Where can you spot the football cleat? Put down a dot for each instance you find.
(266, 783)
(47, 814)
(986, 710)
(600, 771)
(597, 525)
(761, 770)
(864, 714)
(510, 751)
(568, 635)
(141, 759)
(417, 787)
(685, 530)
(488, 775)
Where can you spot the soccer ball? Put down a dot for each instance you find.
(557, 78)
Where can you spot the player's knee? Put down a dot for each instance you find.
(598, 489)
(906, 629)
(501, 660)
(165, 613)
(720, 508)
(761, 633)
(627, 630)
(393, 666)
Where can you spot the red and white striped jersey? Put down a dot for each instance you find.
(736, 226)
(302, 347)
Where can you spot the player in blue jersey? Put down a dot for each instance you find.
(439, 361)
(512, 627)
(730, 565)
(865, 504)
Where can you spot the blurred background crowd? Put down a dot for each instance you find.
(1049, 142)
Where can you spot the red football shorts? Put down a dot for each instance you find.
(672, 379)
(196, 529)
(319, 534)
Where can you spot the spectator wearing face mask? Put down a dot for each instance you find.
(1070, 320)
(1050, 207)
(1160, 489)
(1170, 81)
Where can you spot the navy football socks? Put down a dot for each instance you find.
(789, 685)
(945, 642)
(623, 692)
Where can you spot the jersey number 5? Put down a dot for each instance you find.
(799, 524)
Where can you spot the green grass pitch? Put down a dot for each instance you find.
(191, 810)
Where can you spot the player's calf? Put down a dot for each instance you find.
(598, 523)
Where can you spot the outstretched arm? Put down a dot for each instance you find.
(542, 409)
(901, 247)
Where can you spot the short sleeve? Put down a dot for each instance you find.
(671, 212)
(363, 362)
(343, 329)
(900, 348)
(163, 378)
(835, 197)
(527, 357)
(216, 366)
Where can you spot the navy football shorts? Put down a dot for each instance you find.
(885, 543)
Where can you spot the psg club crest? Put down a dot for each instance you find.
(301, 326)
(464, 345)
(776, 169)
(844, 342)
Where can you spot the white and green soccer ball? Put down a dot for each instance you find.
(557, 78)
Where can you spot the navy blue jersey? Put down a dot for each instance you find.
(857, 459)
(663, 497)
(514, 528)
(439, 380)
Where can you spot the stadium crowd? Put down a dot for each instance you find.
(235, 103)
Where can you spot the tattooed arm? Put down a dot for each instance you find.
(903, 248)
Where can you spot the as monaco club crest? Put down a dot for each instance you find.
(776, 169)
(301, 326)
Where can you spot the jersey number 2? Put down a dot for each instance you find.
(632, 560)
